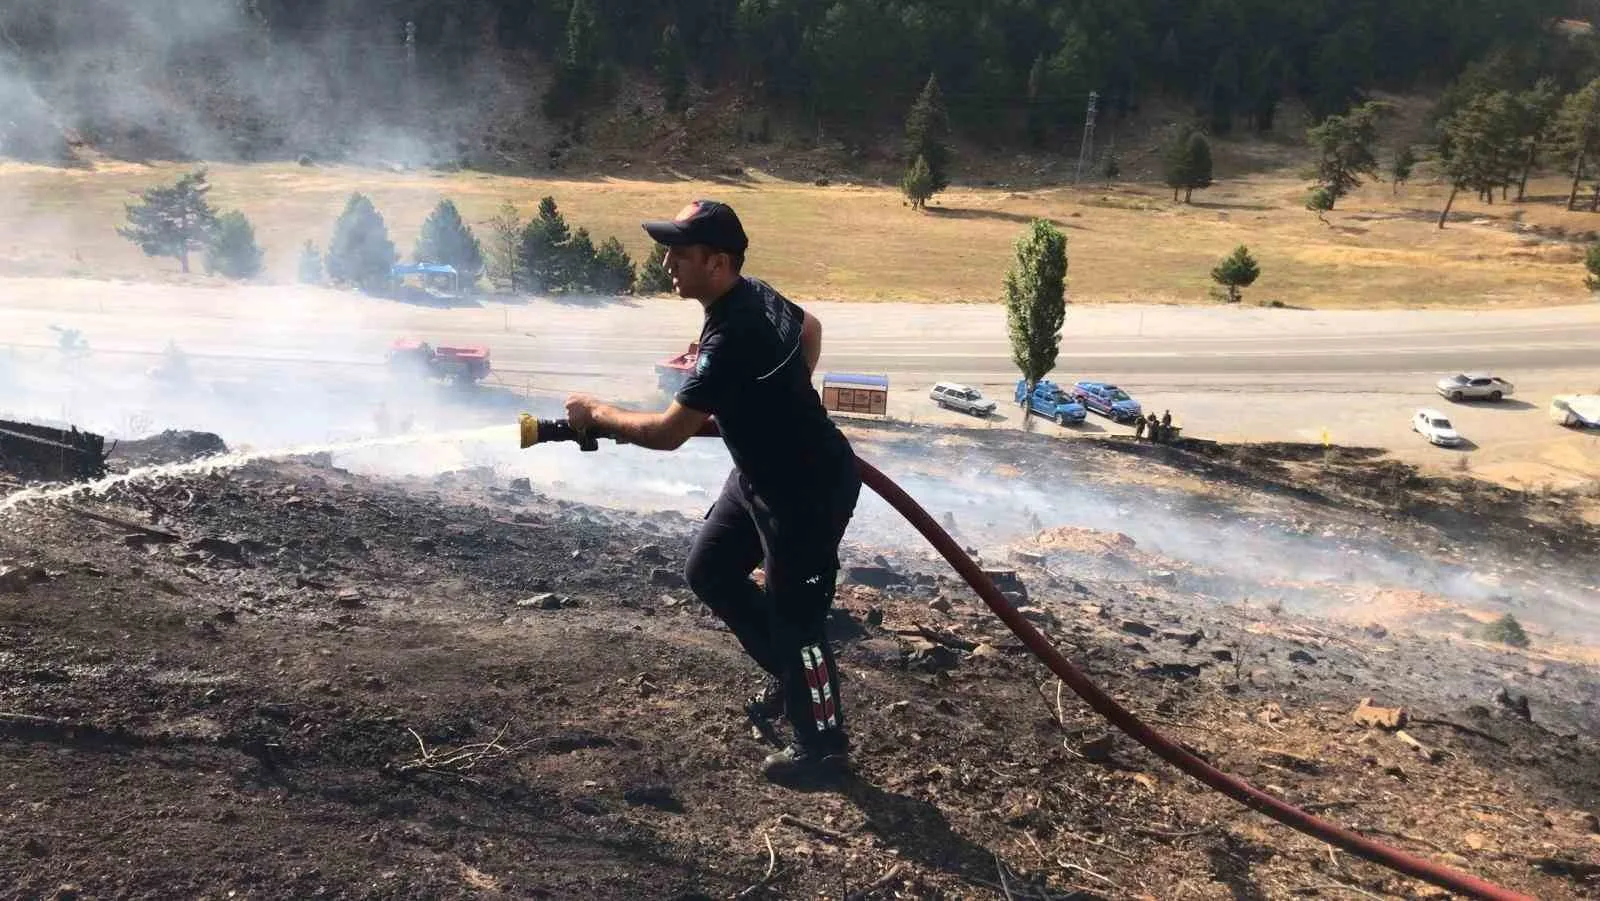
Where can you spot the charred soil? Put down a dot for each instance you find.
(289, 680)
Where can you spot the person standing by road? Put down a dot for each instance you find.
(792, 491)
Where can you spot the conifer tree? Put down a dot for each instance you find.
(446, 239)
(917, 184)
(544, 241)
(172, 221)
(360, 252)
(927, 134)
(1237, 270)
(653, 276)
(232, 250)
(614, 271)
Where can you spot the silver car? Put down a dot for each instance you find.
(1475, 386)
(963, 398)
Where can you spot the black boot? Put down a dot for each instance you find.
(820, 760)
(768, 703)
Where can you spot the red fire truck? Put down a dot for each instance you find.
(416, 357)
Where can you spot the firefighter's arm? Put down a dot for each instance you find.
(811, 342)
(657, 431)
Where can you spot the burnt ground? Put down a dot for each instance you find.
(289, 680)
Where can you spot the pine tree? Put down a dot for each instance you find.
(917, 184)
(1577, 131)
(1187, 162)
(1199, 157)
(544, 242)
(654, 277)
(1224, 92)
(1345, 148)
(1480, 147)
(505, 264)
(1111, 166)
(1320, 202)
(1038, 116)
(927, 131)
(1036, 301)
(310, 265)
(360, 252)
(448, 240)
(581, 269)
(1237, 270)
(672, 67)
(614, 271)
(580, 61)
(1536, 110)
(232, 251)
(172, 221)
(1405, 160)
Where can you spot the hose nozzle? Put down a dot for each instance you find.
(544, 431)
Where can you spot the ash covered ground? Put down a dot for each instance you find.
(385, 667)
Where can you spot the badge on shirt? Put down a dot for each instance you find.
(700, 363)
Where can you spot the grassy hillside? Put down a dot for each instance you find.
(1127, 242)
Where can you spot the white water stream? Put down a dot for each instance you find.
(497, 434)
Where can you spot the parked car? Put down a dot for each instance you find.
(961, 397)
(1051, 401)
(1434, 426)
(1108, 400)
(1474, 386)
(1576, 411)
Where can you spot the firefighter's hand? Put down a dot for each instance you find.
(581, 411)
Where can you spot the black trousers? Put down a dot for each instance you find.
(782, 628)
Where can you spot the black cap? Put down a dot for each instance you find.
(702, 222)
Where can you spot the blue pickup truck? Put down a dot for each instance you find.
(1051, 401)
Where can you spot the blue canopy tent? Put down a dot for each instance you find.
(402, 270)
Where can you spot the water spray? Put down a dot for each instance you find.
(236, 459)
(545, 431)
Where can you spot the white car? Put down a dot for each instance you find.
(1576, 411)
(1474, 386)
(961, 397)
(1432, 425)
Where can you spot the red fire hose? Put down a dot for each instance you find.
(537, 431)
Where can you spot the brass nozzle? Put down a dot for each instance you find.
(529, 428)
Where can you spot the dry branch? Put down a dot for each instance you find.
(813, 828)
(772, 866)
(147, 531)
(1468, 730)
(458, 762)
(882, 882)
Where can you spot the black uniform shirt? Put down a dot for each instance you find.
(751, 375)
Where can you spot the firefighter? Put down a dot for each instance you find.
(792, 491)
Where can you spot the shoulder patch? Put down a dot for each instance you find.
(701, 362)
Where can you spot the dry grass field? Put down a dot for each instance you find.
(1128, 242)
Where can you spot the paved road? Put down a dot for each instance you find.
(1230, 372)
(924, 342)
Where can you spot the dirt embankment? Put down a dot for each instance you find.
(290, 680)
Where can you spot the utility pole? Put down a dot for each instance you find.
(1087, 150)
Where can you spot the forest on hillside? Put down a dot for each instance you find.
(1011, 71)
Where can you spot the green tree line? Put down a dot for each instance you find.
(1009, 69)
